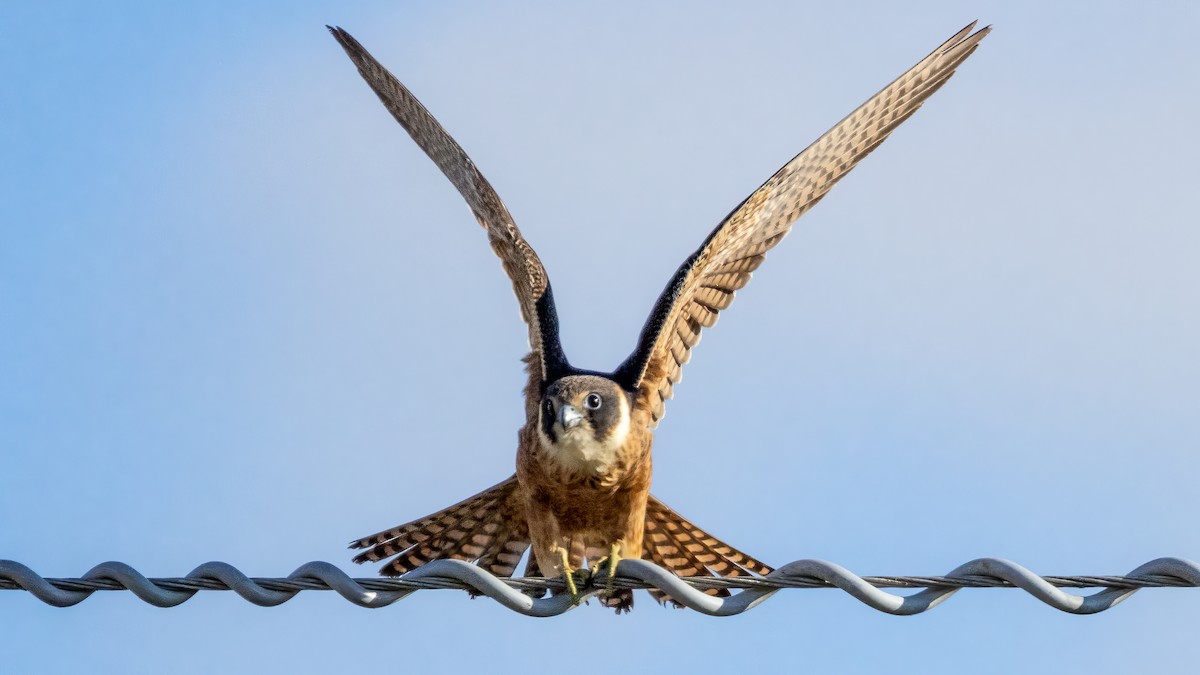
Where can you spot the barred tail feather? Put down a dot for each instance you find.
(673, 542)
(488, 528)
(502, 556)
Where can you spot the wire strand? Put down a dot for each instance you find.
(527, 595)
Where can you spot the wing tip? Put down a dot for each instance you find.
(346, 40)
(964, 38)
(979, 34)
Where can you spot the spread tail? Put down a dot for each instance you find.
(673, 542)
(490, 530)
(487, 529)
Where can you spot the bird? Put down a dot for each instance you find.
(580, 495)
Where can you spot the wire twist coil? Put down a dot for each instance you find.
(518, 594)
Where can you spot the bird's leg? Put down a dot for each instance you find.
(570, 576)
(610, 561)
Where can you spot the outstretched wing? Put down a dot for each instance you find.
(520, 262)
(705, 283)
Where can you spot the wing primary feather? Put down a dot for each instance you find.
(522, 265)
(740, 242)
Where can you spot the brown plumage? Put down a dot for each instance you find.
(490, 530)
(582, 486)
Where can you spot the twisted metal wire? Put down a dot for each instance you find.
(526, 595)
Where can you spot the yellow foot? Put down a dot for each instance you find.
(620, 599)
(611, 561)
(569, 574)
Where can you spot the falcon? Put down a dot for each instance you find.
(581, 493)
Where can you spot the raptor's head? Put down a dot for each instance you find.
(583, 421)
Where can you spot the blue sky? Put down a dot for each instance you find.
(246, 320)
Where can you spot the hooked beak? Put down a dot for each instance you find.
(569, 417)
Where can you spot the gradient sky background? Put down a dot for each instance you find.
(245, 319)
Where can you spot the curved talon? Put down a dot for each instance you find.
(621, 599)
(612, 597)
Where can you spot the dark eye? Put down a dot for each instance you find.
(593, 402)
